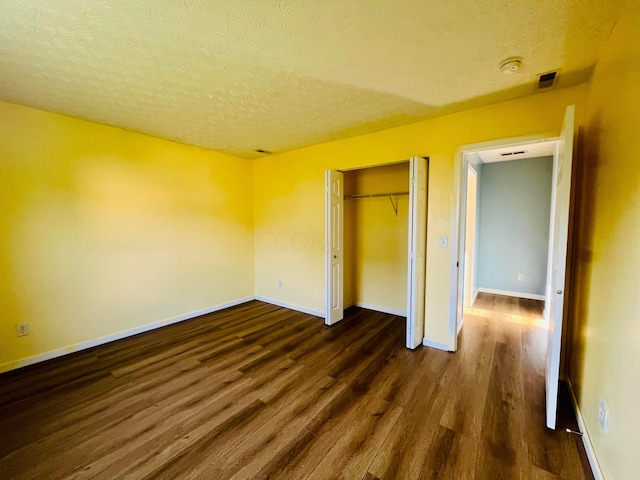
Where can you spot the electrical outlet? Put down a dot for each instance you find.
(521, 277)
(279, 283)
(603, 416)
(22, 329)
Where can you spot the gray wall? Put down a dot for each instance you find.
(515, 202)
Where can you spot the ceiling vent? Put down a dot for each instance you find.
(509, 154)
(547, 80)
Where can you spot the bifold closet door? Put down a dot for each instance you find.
(417, 251)
(334, 198)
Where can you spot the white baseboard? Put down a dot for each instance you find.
(588, 446)
(297, 308)
(377, 308)
(440, 346)
(508, 293)
(23, 362)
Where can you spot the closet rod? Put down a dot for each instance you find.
(370, 195)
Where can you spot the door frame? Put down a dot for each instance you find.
(459, 218)
(470, 270)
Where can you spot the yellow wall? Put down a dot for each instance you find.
(103, 230)
(606, 352)
(376, 239)
(289, 194)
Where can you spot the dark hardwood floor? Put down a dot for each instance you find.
(258, 391)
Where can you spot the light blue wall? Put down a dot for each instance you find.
(515, 202)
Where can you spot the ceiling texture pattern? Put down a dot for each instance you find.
(237, 76)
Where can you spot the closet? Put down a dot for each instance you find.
(376, 221)
(376, 210)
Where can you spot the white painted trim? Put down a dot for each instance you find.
(509, 142)
(440, 346)
(509, 293)
(460, 324)
(459, 176)
(377, 308)
(586, 440)
(23, 362)
(297, 308)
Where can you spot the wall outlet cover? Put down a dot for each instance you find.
(22, 329)
(603, 416)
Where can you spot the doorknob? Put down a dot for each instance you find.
(559, 292)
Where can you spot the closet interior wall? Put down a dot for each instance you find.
(375, 238)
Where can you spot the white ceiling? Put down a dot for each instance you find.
(519, 152)
(237, 76)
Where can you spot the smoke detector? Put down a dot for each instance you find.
(510, 65)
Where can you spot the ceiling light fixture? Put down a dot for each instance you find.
(510, 65)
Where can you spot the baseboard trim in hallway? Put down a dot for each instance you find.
(509, 293)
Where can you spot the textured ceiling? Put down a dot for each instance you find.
(237, 76)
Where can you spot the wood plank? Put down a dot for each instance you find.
(503, 450)
(404, 452)
(464, 411)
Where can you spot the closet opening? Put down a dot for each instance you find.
(376, 242)
(376, 215)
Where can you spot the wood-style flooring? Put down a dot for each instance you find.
(258, 391)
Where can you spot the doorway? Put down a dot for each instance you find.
(555, 286)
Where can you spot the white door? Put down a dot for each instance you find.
(558, 259)
(417, 254)
(334, 197)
